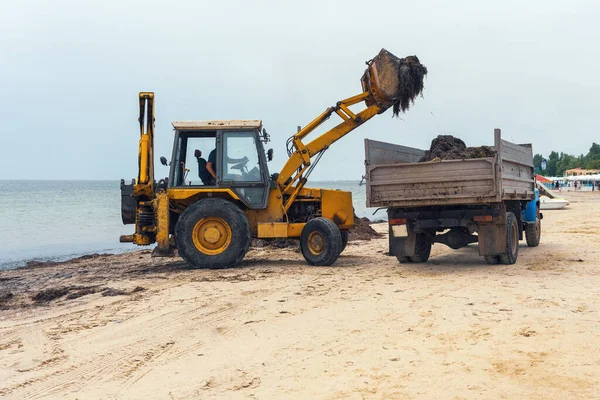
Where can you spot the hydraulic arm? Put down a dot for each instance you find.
(295, 172)
(138, 199)
(145, 180)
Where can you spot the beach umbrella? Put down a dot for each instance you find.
(542, 179)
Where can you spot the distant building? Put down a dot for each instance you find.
(581, 171)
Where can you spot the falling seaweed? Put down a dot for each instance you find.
(411, 74)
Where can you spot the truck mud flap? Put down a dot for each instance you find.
(402, 246)
(491, 239)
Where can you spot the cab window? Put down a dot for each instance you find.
(240, 161)
(193, 150)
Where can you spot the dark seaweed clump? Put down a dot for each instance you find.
(448, 147)
(411, 74)
(362, 230)
(75, 292)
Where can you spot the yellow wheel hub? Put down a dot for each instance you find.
(316, 243)
(211, 235)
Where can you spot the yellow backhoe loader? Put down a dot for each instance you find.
(210, 215)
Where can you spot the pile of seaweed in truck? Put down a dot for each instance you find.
(447, 147)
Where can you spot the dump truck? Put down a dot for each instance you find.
(219, 193)
(492, 201)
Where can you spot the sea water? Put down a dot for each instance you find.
(58, 220)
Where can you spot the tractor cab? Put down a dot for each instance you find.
(209, 156)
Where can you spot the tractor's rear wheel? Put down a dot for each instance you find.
(213, 233)
(320, 242)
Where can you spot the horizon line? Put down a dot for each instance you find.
(118, 180)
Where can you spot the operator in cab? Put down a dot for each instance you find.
(211, 164)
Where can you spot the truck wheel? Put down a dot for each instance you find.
(512, 240)
(422, 251)
(345, 236)
(533, 232)
(213, 233)
(492, 260)
(320, 242)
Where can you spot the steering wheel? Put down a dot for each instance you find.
(240, 165)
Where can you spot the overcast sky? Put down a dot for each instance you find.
(71, 70)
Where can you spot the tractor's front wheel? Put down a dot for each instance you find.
(321, 242)
(213, 233)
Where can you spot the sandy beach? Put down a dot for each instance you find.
(132, 327)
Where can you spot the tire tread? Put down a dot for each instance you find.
(507, 257)
(531, 236)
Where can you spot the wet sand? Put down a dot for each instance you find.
(128, 326)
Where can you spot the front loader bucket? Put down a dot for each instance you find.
(393, 81)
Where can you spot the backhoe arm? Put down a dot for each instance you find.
(145, 180)
(139, 200)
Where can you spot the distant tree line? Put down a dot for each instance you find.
(557, 163)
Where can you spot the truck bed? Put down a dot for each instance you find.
(395, 178)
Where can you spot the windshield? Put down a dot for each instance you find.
(240, 161)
